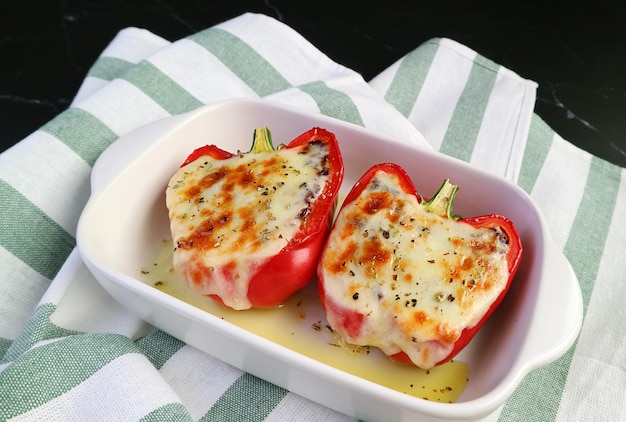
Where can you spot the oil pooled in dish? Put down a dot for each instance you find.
(304, 329)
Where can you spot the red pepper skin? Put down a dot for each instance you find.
(295, 265)
(351, 321)
(212, 151)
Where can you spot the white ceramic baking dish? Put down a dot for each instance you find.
(123, 227)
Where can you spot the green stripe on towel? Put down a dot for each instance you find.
(248, 399)
(82, 132)
(540, 137)
(159, 346)
(5, 344)
(409, 79)
(332, 102)
(242, 60)
(38, 328)
(109, 68)
(30, 235)
(60, 366)
(161, 88)
(173, 412)
(585, 244)
(468, 115)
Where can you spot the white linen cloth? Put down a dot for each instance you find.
(69, 352)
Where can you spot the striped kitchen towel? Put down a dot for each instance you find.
(69, 352)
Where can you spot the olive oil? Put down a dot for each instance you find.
(300, 325)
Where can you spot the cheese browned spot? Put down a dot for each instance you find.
(227, 217)
(419, 279)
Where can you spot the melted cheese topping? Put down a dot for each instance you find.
(418, 278)
(227, 217)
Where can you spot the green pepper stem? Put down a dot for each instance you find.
(443, 201)
(262, 140)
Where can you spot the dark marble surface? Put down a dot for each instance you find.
(575, 52)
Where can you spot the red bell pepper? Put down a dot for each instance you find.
(243, 275)
(369, 298)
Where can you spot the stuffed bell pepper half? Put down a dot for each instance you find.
(248, 228)
(403, 274)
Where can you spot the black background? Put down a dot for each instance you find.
(576, 52)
